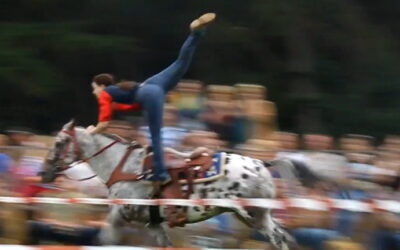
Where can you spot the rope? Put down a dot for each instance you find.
(325, 204)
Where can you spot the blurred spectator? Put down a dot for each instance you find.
(5, 167)
(189, 99)
(202, 139)
(127, 130)
(366, 164)
(21, 181)
(359, 147)
(260, 149)
(218, 110)
(288, 141)
(11, 217)
(27, 162)
(225, 116)
(122, 128)
(261, 112)
(386, 234)
(343, 244)
(318, 142)
(65, 223)
(391, 142)
(171, 134)
(5, 164)
(312, 228)
(17, 137)
(289, 146)
(25, 172)
(385, 169)
(13, 223)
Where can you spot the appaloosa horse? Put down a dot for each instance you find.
(242, 177)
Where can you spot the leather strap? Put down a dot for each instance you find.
(118, 175)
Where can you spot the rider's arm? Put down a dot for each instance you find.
(100, 127)
(125, 107)
(105, 111)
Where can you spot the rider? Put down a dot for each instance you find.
(149, 95)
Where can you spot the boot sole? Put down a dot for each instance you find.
(202, 21)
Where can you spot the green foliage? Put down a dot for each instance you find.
(338, 57)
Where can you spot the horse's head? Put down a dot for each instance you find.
(65, 151)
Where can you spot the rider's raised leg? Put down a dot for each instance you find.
(169, 77)
(151, 94)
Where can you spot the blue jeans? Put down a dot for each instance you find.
(313, 237)
(151, 96)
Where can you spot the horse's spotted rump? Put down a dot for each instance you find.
(249, 169)
(235, 186)
(227, 195)
(203, 193)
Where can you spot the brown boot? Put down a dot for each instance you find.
(202, 21)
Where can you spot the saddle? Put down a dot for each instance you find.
(182, 171)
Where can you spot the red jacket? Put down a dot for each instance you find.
(107, 105)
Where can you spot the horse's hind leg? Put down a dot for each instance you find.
(278, 236)
(262, 221)
(111, 234)
(161, 236)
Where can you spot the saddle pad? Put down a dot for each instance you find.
(215, 172)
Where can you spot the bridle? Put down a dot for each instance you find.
(78, 153)
(75, 144)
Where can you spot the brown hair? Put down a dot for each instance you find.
(127, 85)
(103, 79)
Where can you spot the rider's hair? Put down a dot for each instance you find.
(103, 79)
(127, 85)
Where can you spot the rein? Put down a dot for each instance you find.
(78, 153)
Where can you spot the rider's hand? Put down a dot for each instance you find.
(90, 129)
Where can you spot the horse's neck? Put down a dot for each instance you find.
(104, 163)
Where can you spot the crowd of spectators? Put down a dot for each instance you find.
(237, 118)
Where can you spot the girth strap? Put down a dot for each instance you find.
(118, 175)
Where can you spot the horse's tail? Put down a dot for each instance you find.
(294, 170)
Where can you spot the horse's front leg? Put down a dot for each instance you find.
(111, 234)
(141, 214)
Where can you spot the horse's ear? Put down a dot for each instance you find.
(70, 125)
